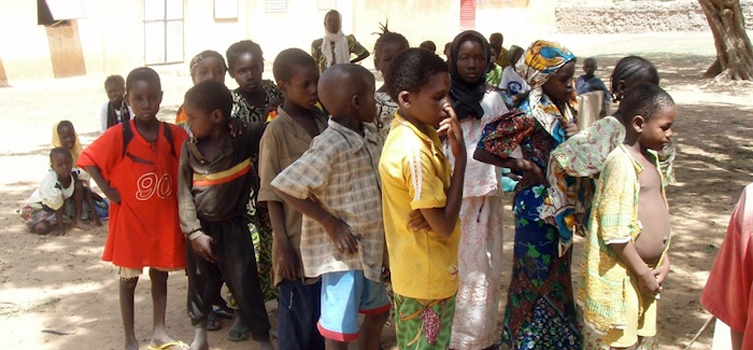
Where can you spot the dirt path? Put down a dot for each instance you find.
(56, 294)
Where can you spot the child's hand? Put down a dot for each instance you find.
(236, 127)
(202, 245)
(288, 260)
(662, 271)
(571, 129)
(340, 235)
(532, 176)
(450, 127)
(417, 222)
(112, 194)
(648, 282)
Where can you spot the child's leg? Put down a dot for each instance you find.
(127, 288)
(42, 228)
(237, 263)
(371, 330)
(78, 204)
(199, 275)
(428, 321)
(298, 312)
(93, 215)
(375, 304)
(159, 300)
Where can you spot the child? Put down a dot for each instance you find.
(513, 87)
(213, 190)
(625, 259)
(427, 45)
(64, 135)
(480, 250)
(496, 40)
(286, 138)
(208, 65)
(336, 186)
(52, 199)
(135, 164)
(727, 292)
(588, 82)
(113, 112)
(417, 180)
(336, 47)
(386, 47)
(254, 102)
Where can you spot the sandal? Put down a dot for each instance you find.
(236, 334)
(213, 323)
(173, 345)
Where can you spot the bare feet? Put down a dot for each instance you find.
(265, 345)
(81, 225)
(163, 342)
(132, 344)
(96, 221)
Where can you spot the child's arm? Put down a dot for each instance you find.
(59, 226)
(532, 174)
(442, 220)
(629, 256)
(189, 221)
(286, 256)
(112, 194)
(337, 230)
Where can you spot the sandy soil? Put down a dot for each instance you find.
(55, 293)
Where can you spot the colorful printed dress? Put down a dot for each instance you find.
(258, 217)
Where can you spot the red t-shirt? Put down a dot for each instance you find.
(144, 229)
(727, 294)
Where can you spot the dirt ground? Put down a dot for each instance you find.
(55, 293)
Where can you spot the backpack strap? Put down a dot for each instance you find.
(128, 136)
(168, 133)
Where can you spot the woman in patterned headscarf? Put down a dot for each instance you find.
(540, 312)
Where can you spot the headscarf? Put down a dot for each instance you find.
(205, 54)
(77, 147)
(466, 97)
(342, 49)
(537, 65)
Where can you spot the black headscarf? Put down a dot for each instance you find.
(466, 97)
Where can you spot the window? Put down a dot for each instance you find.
(276, 6)
(58, 12)
(325, 5)
(163, 31)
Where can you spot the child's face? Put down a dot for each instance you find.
(67, 136)
(210, 68)
(426, 104)
(247, 70)
(471, 61)
(589, 68)
(200, 121)
(115, 93)
(144, 98)
(332, 22)
(559, 87)
(301, 89)
(386, 52)
(62, 165)
(367, 111)
(657, 131)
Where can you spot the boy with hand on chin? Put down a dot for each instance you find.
(213, 189)
(336, 186)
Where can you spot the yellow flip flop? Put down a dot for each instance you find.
(169, 345)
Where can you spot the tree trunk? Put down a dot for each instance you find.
(734, 52)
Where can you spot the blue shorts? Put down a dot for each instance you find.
(344, 295)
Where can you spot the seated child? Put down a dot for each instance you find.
(625, 259)
(589, 82)
(513, 87)
(113, 111)
(727, 293)
(213, 190)
(53, 198)
(336, 186)
(135, 164)
(417, 179)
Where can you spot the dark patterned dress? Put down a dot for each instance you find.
(258, 217)
(540, 312)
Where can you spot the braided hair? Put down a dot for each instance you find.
(629, 67)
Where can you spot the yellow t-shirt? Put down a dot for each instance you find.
(415, 175)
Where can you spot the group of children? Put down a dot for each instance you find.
(365, 200)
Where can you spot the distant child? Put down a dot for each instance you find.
(496, 40)
(336, 47)
(115, 110)
(53, 198)
(727, 293)
(417, 180)
(286, 138)
(135, 164)
(625, 259)
(429, 46)
(386, 48)
(335, 184)
(588, 82)
(513, 87)
(493, 73)
(446, 51)
(208, 65)
(213, 190)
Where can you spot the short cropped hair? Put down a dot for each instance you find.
(428, 45)
(143, 74)
(237, 49)
(411, 69)
(589, 60)
(210, 95)
(282, 68)
(113, 80)
(59, 151)
(645, 100)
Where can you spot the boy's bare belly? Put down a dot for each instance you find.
(653, 215)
